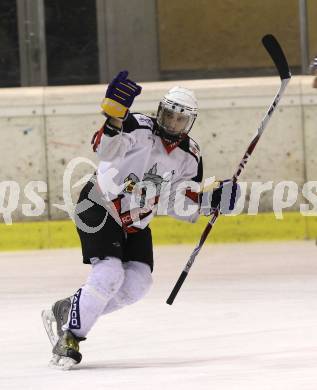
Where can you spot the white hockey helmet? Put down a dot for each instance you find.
(176, 113)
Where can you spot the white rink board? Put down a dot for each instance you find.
(245, 319)
(51, 126)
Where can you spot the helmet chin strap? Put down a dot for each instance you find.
(170, 142)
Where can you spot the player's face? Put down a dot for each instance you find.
(174, 122)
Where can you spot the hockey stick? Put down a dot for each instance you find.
(275, 51)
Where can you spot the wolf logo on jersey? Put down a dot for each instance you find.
(150, 176)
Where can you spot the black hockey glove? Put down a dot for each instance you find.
(224, 196)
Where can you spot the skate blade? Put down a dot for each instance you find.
(48, 320)
(61, 363)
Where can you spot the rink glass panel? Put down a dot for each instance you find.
(71, 42)
(9, 48)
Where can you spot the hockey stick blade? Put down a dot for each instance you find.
(275, 51)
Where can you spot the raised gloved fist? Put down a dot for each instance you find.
(119, 96)
(224, 196)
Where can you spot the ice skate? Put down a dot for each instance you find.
(55, 318)
(65, 344)
(66, 351)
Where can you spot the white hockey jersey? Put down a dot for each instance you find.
(140, 176)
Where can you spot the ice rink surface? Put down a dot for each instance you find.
(246, 318)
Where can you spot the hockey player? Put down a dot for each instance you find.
(146, 165)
